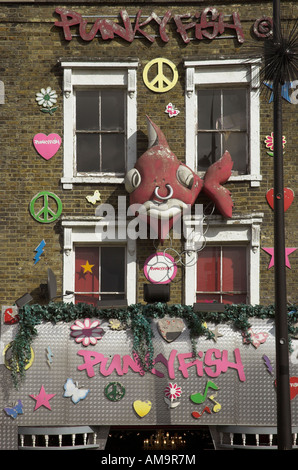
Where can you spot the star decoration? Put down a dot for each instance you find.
(288, 251)
(284, 91)
(43, 398)
(87, 267)
(216, 333)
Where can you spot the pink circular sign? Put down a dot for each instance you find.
(160, 268)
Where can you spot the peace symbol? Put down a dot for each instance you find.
(45, 215)
(114, 391)
(160, 83)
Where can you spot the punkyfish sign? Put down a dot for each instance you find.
(87, 373)
(160, 268)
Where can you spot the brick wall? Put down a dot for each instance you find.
(30, 48)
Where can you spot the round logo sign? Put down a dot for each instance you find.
(160, 268)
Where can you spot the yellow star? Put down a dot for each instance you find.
(87, 267)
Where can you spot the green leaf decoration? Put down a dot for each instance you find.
(138, 318)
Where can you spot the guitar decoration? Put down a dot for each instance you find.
(72, 390)
(163, 186)
(10, 314)
(16, 410)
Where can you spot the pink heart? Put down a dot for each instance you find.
(288, 198)
(47, 145)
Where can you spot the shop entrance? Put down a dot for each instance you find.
(182, 439)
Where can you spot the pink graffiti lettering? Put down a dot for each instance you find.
(208, 24)
(214, 363)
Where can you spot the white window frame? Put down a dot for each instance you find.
(219, 73)
(79, 232)
(236, 231)
(98, 74)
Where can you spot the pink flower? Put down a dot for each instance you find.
(86, 332)
(269, 141)
(172, 391)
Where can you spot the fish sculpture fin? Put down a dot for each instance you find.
(216, 175)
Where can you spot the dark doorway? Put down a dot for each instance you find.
(184, 440)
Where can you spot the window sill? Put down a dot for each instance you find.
(255, 180)
(68, 182)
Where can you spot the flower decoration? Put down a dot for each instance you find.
(115, 324)
(269, 142)
(87, 332)
(172, 392)
(46, 98)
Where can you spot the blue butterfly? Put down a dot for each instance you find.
(15, 411)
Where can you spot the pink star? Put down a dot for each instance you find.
(288, 251)
(42, 399)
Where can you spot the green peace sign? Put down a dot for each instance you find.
(114, 391)
(45, 215)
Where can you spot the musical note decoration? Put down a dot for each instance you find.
(14, 411)
(217, 406)
(74, 392)
(196, 414)
(199, 398)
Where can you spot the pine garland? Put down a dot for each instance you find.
(138, 318)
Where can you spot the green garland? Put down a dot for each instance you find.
(138, 318)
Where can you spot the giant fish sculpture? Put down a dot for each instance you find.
(164, 186)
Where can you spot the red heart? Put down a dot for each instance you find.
(293, 387)
(288, 198)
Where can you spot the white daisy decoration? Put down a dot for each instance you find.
(47, 98)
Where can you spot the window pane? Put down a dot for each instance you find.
(208, 270)
(112, 110)
(87, 281)
(88, 152)
(209, 109)
(236, 144)
(113, 153)
(234, 299)
(234, 109)
(209, 149)
(234, 269)
(112, 269)
(87, 110)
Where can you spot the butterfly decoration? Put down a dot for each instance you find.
(171, 110)
(72, 390)
(16, 410)
(255, 338)
(94, 198)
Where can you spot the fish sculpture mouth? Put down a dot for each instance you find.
(166, 209)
